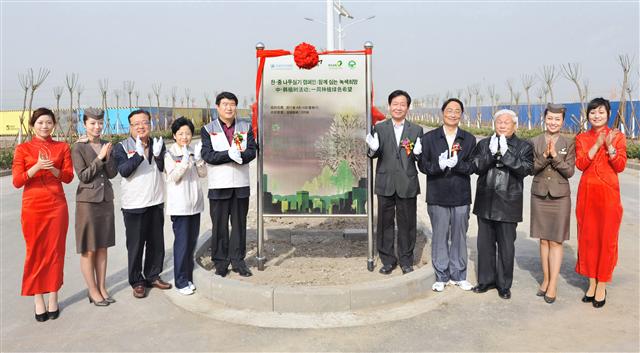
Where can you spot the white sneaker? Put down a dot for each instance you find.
(185, 291)
(438, 287)
(464, 285)
(192, 286)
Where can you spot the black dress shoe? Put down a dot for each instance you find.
(387, 269)
(53, 314)
(506, 293)
(242, 271)
(481, 288)
(222, 272)
(541, 293)
(549, 300)
(42, 317)
(406, 269)
(160, 284)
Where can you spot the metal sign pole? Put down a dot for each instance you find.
(259, 196)
(370, 265)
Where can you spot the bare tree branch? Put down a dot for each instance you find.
(157, 88)
(128, 87)
(527, 83)
(549, 76)
(572, 72)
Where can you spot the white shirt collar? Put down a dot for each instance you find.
(399, 124)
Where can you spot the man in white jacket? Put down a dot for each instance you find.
(228, 146)
(140, 162)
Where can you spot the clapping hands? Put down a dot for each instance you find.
(373, 141)
(157, 146)
(234, 154)
(445, 162)
(105, 151)
(502, 141)
(197, 153)
(185, 154)
(417, 147)
(442, 160)
(139, 147)
(493, 144)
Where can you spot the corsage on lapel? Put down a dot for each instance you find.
(407, 145)
(237, 139)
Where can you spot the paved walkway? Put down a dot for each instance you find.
(456, 321)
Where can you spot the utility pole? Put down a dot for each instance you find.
(330, 36)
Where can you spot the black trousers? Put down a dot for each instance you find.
(503, 234)
(391, 208)
(144, 232)
(227, 249)
(186, 230)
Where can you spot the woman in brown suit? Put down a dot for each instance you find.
(554, 160)
(95, 225)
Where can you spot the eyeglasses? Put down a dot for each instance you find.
(449, 111)
(144, 123)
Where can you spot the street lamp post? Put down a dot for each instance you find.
(340, 29)
(329, 28)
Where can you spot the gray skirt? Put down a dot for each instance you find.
(95, 226)
(550, 217)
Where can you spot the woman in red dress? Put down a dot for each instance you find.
(41, 165)
(601, 153)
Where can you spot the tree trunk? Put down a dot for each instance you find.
(24, 107)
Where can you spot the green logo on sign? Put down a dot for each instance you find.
(352, 64)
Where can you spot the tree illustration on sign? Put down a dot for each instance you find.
(343, 179)
(344, 142)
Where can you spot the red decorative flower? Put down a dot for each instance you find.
(237, 139)
(455, 148)
(408, 145)
(306, 56)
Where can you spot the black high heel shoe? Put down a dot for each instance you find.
(100, 303)
(53, 314)
(588, 299)
(600, 304)
(42, 317)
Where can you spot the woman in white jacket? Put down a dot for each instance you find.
(183, 166)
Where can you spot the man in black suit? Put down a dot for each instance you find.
(396, 144)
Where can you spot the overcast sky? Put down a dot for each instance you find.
(422, 47)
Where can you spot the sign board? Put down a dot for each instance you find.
(314, 125)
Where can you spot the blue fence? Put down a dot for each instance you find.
(573, 109)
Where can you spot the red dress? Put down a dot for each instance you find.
(45, 217)
(598, 206)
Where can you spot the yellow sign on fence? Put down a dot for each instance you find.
(10, 122)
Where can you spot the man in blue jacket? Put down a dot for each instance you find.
(447, 161)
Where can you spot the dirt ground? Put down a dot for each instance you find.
(303, 252)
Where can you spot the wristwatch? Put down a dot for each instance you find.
(612, 151)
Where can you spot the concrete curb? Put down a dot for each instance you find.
(282, 299)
